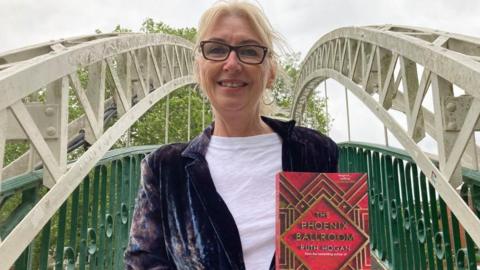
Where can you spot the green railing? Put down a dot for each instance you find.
(411, 227)
(90, 230)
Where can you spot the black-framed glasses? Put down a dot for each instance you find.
(218, 51)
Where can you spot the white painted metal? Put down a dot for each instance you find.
(385, 133)
(57, 94)
(123, 104)
(167, 113)
(119, 53)
(364, 59)
(203, 112)
(3, 124)
(35, 137)
(326, 108)
(348, 115)
(462, 139)
(189, 114)
(368, 65)
(87, 107)
(125, 63)
(27, 77)
(96, 96)
(26, 161)
(13, 245)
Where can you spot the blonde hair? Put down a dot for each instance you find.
(254, 15)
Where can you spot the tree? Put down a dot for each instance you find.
(150, 26)
(315, 115)
(146, 130)
(150, 129)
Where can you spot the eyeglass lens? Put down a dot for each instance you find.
(251, 54)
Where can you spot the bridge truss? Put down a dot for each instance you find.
(394, 68)
(37, 84)
(387, 67)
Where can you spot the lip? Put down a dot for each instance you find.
(233, 84)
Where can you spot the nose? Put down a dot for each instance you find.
(232, 63)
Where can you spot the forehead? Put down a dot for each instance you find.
(234, 29)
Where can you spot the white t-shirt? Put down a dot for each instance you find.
(243, 170)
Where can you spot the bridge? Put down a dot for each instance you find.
(64, 206)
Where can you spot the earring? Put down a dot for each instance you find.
(267, 97)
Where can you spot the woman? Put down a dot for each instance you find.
(209, 203)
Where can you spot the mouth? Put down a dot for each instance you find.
(232, 84)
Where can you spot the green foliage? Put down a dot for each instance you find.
(315, 116)
(286, 76)
(119, 29)
(14, 151)
(150, 26)
(150, 129)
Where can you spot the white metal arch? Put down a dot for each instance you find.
(36, 82)
(379, 64)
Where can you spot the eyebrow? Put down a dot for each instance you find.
(243, 42)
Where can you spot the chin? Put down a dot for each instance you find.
(231, 108)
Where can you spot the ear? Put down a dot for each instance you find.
(272, 75)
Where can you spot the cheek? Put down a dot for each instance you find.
(204, 76)
(208, 80)
(262, 77)
(207, 83)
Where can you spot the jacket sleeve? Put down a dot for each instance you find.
(146, 246)
(334, 155)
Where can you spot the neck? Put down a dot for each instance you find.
(240, 125)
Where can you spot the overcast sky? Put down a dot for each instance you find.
(301, 22)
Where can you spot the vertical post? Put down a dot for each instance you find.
(32, 153)
(167, 114)
(128, 138)
(472, 148)
(386, 135)
(442, 89)
(96, 96)
(57, 95)
(203, 112)
(124, 70)
(348, 114)
(189, 112)
(3, 128)
(326, 108)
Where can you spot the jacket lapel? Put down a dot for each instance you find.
(220, 217)
(292, 149)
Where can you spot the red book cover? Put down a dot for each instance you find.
(322, 221)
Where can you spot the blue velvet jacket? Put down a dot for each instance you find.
(181, 222)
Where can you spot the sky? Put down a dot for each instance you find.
(300, 22)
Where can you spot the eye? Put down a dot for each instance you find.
(250, 51)
(216, 49)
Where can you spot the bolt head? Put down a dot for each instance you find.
(451, 106)
(51, 131)
(452, 125)
(49, 111)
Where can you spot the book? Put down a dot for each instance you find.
(322, 221)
